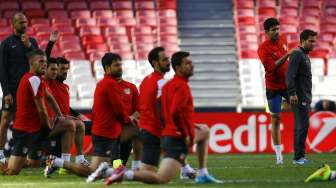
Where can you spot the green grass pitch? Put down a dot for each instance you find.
(241, 170)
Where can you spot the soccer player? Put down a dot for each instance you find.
(69, 128)
(179, 131)
(322, 174)
(31, 115)
(109, 115)
(13, 65)
(299, 85)
(273, 54)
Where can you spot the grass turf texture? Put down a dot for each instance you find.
(247, 170)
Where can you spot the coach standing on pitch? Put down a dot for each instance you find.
(299, 86)
(13, 65)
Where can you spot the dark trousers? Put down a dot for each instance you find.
(301, 116)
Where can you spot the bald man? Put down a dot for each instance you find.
(13, 65)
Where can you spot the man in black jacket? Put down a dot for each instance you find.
(13, 65)
(299, 86)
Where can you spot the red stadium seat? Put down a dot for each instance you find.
(93, 39)
(288, 29)
(40, 21)
(309, 20)
(80, 14)
(168, 21)
(167, 13)
(30, 5)
(106, 22)
(148, 21)
(120, 39)
(266, 4)
(54, 5)
(248, 38)
(3, 22)
(169, 39)
(102, 14)
(319, 53)
(311, 12)
(119, 30)
(142, 54)
(145, 5)
(58, 14)
(125, 54)
(249, 46)
(96, 47)
(248, 29)
(291, 20)
(246, 21)
(74, 55)
(249, 54)
(124, 14)
(122, 47)
(244, 4)
(9, 5)
(99, 5)
(36, 13)
(245, 12)
(61, 22)
(85, 22)
(141, 30)
(122, 5)
(168, 30)
(70, 47)
(89, 30)
(144, 39)
(65, 30)
(289, 12)
(146, 14)
(166, 4)
(312, 4)
(40, 30)
(289, 4)
(128, 22)
(77, 6)
(313, 27)
(69, 38)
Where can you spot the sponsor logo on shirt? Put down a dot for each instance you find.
(14, 46)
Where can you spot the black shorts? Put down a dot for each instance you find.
(26, 143)
(274, 100)
(106, 147)
(88, 127)
(151, 148)
(174, 148)
(51, 145)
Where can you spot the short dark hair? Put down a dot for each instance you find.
(108, 58)
(34, 53)
(270, 22)
(305, 34)
(153, 55)
(52, 61)
(177, 58)
(15, 15)
(62, 61)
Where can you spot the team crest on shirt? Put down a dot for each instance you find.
(127, 91)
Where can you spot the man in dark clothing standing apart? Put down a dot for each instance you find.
(13, 65)
(299, 85)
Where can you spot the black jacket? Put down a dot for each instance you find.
(13, 62)
(299, 76)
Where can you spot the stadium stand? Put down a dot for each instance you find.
(207, 31)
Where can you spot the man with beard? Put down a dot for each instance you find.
(13, 65)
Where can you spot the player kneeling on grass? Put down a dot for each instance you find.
(322, 174)
(179, 132)
(31, 116)
(109, 116)
(68, 130)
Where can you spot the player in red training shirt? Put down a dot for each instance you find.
(31, 115)
(68, 130)
(273, 55)
(109, 116)
(179, 131)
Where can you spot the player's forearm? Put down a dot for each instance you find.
(44, 118)
(54, 106)
(281, 61)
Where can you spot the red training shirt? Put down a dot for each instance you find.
(61, 93)
(150, 92)
(131, 96)
(108, 113)
(178, 108)
(50, 111)
(27, 119)
(269, 53)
